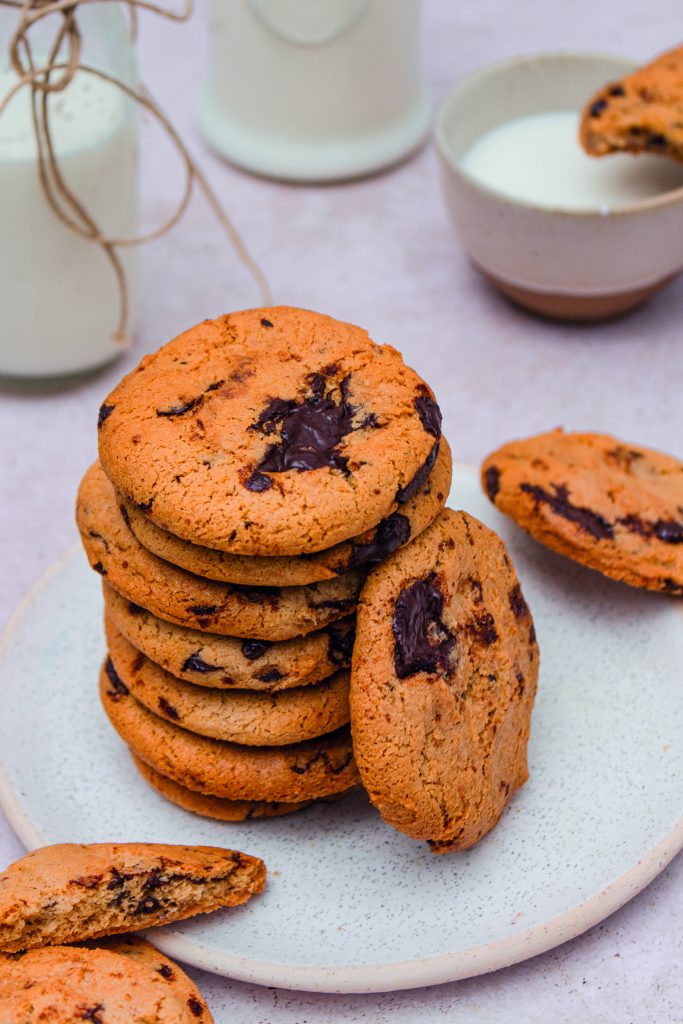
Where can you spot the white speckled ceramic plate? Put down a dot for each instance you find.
(353, 906)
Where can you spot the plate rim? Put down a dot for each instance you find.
(405, 975)
(10, 805)
(401, 975)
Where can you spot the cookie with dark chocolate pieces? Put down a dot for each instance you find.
(270, 440)
(642, 112)
(364, 551)
(443, 683)
(111, 983)
(177, 982)
(73, 892)
(614, 506)
(240, 716)
(262, 613)
(287, 774)
(226, 662)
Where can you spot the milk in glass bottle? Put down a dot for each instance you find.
(60, 298)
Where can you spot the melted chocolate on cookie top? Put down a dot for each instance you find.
(311, 428)
(423, 643)
(585, 518)
(429, 413)
(391, 534)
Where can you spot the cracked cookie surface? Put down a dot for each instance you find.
(225, 662)
(368, 549)
(269, 613)
(642, 112)
(117, 983)
(240, 716)
(287, 774)
(443, 683)
(72, 892)
(270, 432)
(611, 505)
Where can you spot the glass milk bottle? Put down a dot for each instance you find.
(60, 301)
(314, 90)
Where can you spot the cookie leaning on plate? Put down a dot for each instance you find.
(70, 892)
(268, 613)
(641, 112)
(611, 505)
(368, 549)
(240, 716)
(270, 432)
(443, 683)
(225, 662)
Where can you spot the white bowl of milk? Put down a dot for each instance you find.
(560, 232)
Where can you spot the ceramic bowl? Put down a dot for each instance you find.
(564, 263)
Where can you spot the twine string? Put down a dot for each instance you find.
(54, 76)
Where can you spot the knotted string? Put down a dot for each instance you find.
(55, 75)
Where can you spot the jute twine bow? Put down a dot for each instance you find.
(62, 63)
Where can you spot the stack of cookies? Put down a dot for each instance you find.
(251, 472)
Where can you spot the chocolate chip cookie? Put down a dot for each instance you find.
(641, 112)
(270, 432)
(224, 662)
(214, 806)
(614, 506)
(177, 982)
(72, 892)
(443, 683)
(366, 550)
(268, 613)
(64, 984)
(240, 716)
(288, 774)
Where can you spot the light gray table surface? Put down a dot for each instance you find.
(381, 252)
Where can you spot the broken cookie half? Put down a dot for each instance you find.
(70, 893)
(443, 683)
(642, 112)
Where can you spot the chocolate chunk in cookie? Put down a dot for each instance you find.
(422, 642)
(310, 428)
